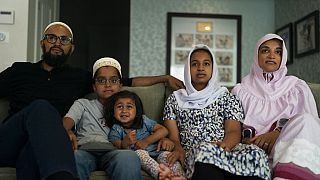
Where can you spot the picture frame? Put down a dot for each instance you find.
(307, 35)
(286, 32)
(220, 32)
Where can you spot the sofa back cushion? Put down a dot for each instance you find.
(153, 99)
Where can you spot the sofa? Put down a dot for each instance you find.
(153, 98)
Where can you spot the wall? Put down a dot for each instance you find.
(148, 28)
(41, 13)
(31, 17)
(306, 67)
(15, 49)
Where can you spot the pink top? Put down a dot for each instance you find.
(266, 102)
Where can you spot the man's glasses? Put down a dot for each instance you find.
(51, 38)
(111, 81)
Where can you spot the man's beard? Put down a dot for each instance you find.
(54, 60)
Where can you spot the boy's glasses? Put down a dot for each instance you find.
(111, 81)
(51, 38)
(127, 106)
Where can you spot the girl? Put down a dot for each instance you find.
(131, 129)
(282, 111)
(204, 122)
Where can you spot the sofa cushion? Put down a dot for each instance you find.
(7, 173)
(153, 99)
(101, 175)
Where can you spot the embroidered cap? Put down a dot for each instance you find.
(59, 23)
(106, 61)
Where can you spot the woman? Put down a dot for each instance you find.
(204, 122)
(282, 111)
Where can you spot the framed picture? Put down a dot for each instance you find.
(307, 34)
(222, 33)
(286, 33)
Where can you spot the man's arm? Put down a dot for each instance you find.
(173, 82)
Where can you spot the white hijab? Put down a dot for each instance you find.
(190, 97)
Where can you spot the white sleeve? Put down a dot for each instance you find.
(76, 111)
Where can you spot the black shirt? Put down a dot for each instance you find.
(25, 82)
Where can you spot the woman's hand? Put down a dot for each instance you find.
(165, 144)
(175, 156)
(264, 141)
(178, 152)
(232, 135)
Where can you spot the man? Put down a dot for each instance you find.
(33, 139)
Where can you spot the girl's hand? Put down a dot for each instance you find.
(224, 145)
(165, 144)
(265, 141)
(176, 155)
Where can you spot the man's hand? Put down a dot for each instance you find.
(73, 139)
(165, 144)
(174, 83)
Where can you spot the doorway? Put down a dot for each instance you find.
(100, 28)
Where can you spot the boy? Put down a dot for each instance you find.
(90, 126)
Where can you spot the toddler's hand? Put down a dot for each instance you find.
(130, 138)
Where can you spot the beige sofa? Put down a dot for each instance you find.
(153, 98)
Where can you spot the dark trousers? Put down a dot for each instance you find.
(205, 171)
(35, 142)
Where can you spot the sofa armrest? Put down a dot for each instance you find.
(315, 89)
